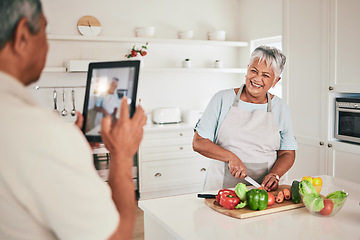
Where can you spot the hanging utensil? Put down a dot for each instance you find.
(73, 111)
(55, 101)
(64, 111)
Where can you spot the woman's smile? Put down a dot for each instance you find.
(256, 84)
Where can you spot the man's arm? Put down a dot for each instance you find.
(122, 139)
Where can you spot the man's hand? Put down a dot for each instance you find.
(124, 136)
(79, 120)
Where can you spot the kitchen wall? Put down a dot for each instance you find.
(259, 19)
(243, 20)
(119, 18)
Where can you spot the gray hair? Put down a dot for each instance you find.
(272, 56)
(11, 11)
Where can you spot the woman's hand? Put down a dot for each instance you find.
(237, 167)
(270, 182)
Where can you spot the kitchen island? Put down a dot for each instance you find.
(188, 217)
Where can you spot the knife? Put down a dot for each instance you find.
(206, 195)
(252, 181)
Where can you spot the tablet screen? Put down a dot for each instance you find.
(107, 83)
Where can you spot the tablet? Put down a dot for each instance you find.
(107, 83)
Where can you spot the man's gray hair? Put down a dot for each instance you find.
(11, 11)
(272, 56)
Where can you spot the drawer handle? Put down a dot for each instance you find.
(158, 175)
(181, 148)
(181, 134)
(203, 170)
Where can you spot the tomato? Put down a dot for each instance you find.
(271, 199)
(328, 207)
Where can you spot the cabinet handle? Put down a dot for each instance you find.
(321, 143)
(203, 170)
(180, 134)
(158, 175)
(331, 88)
(329, 145)
(181, 148)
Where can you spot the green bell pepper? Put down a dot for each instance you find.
(257, 199)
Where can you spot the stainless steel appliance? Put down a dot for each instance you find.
(347, 119)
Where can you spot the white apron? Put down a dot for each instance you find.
(109, 103)
(253, 137)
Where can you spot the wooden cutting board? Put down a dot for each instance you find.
(246, 212)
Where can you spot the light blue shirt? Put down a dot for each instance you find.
(209, 124)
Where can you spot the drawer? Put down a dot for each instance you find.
(165, 175)
(167, 138)
(166, 152)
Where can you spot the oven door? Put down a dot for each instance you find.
(347, 124)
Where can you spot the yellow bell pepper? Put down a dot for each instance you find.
(316, 182)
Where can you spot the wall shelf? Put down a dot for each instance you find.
(54, 69)
(160, 70)
(149, 40)
(195, 70)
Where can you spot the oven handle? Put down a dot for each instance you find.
(347, 110)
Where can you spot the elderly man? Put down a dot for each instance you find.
(49, 188)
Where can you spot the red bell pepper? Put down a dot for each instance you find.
(227, 198)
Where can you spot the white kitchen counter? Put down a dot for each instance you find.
(188, 217)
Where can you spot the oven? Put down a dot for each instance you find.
(347, 119)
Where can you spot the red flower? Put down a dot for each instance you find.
(133, 53)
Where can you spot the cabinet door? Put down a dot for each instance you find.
(305, 80)
(310, 160)
(173, 173)
(346, 48)
(344, 161)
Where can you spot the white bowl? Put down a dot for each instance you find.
(145, 32)
(217, 35)
(186, 35)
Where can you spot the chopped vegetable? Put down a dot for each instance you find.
(280, 197)
(313, 201)
(271, 199)
(328, 207)
(241, 205)
(287, 194)
(317, 183)
(229, 200)
(241, 190)
(257, 199)
(305, 187)
(295, 195)
(337, 197)
(224, 191)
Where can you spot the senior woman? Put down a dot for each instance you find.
(247, 130)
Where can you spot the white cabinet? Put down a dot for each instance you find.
(345, 45)
(344, 161)
(305, 45)
(321, 51)
(167, 163)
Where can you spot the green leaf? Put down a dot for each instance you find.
(241, 205)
